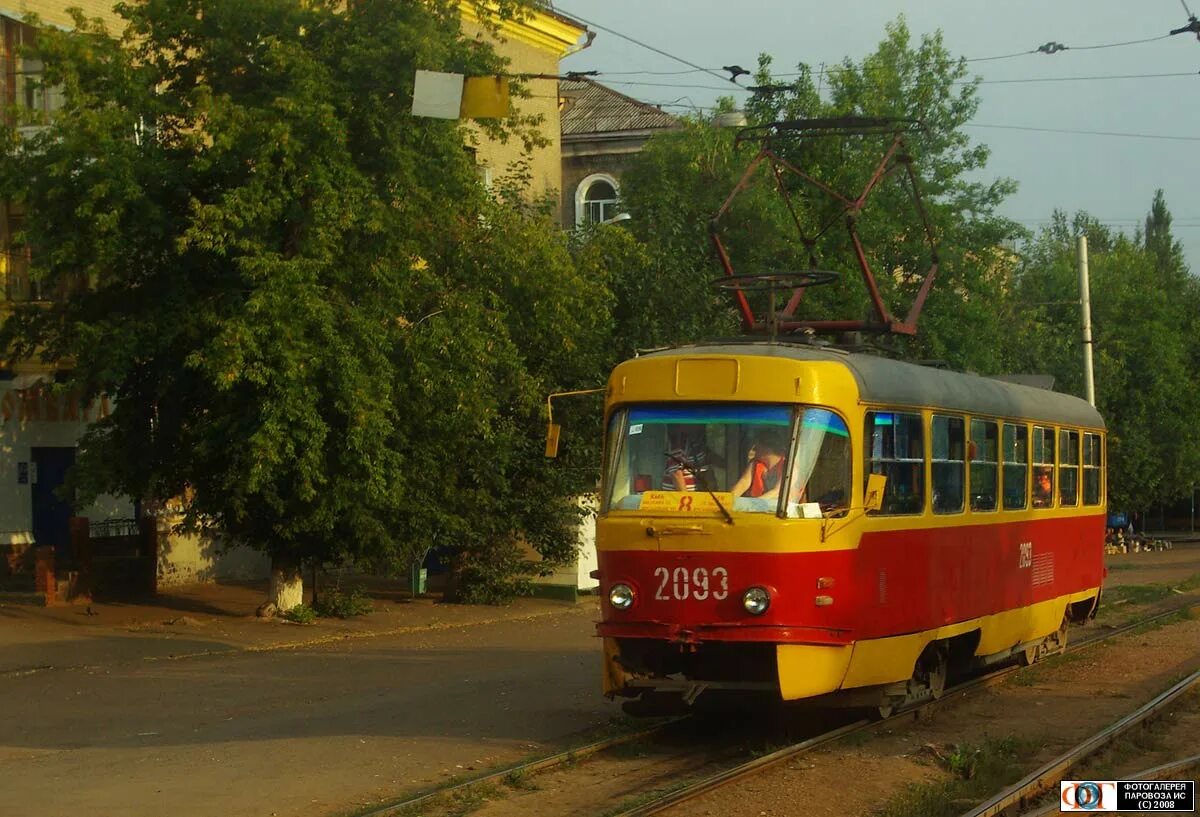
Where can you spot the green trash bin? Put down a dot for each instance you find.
(417, 577)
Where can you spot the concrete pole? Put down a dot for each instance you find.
(1085, 304)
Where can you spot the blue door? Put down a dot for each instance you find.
(51, 512)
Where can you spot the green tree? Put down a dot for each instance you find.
(680, 180)
(1144, 306)
(317, 329)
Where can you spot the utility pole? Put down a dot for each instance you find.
(1085, 305)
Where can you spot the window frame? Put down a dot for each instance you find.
(923, 507)
(1064, 434)
(996, 463)
(1097, 467)
(1005, 463)
(962, 462)
(1045, 432)
(581, 201)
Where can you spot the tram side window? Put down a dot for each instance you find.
(895, 448)
(1043, 467)
(947, 434)
(1016, 465)
(1091, 469)
(1068, 467)
(985, 469)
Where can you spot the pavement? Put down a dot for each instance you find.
(203, 619)
(192, 706)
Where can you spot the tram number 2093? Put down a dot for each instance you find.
(700, 583)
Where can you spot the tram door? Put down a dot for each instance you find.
(51, 513)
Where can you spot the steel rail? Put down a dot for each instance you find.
(1036, 783)
(1172, 767)
(527, 767)
(761, 763)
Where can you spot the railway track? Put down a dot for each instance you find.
(738, 771)
(760, 764)
(1040, 781)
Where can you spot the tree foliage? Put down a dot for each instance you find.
(318, 329)
(1145, 305)
(681, 179)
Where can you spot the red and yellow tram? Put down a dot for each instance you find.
(799, 520)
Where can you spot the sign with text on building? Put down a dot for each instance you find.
(1127, 795)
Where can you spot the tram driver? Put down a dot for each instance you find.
(764, 472)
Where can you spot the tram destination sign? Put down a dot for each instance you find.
(1128, 795)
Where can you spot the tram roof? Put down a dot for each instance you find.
(894, 382)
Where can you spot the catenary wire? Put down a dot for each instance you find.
(652, 48)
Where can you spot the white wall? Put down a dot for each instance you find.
(190, 558)
(31, 419)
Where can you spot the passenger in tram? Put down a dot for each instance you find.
(1043, 490)
(764, 472)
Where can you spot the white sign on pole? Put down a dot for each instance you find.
(437, 95)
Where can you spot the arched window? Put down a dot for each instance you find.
(597, 199)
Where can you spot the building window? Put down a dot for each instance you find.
(597, 199)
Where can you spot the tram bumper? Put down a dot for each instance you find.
(791, 671)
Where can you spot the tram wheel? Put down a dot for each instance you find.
(1052, 644)
(928, 681)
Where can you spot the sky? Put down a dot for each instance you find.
(1112, 177)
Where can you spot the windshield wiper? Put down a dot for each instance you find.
(687, 466)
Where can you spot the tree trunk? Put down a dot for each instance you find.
(287, 584)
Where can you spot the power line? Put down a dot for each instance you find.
(1048, 48)
(679, 85)
(1086, 78)
(651, 48)
(1085, 132)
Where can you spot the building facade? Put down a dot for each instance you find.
(602, 130)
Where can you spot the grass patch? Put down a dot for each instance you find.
(978, 771)
(1139, 594)
(644, 798)
(860, 738)
(453, 804)
(1143, 594)
(521, 780)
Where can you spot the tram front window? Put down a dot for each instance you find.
(670, 457)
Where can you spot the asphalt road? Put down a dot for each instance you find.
(314, 731)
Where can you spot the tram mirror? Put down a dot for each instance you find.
(552, 432)
(874, 498)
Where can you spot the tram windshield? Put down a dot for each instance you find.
(675, 458)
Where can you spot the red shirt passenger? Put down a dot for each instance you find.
(765, 470)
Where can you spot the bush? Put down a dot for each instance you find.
(336, 604)
(301, 614)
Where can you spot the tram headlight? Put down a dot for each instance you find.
(756, 600)
(620, 596)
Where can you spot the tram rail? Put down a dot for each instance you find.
(765, 762)
(739, 771)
